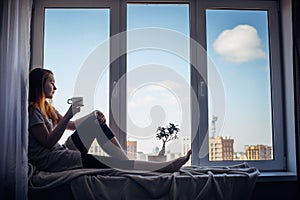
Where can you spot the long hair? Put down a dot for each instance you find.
(37, 99)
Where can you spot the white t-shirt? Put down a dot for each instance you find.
(56, 158)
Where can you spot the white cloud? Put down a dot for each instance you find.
(142, 100)
(240, 44)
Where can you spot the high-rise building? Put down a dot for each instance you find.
(220, 148)
(96, 149)
(186, 146)
(132, 150)
(259, 152)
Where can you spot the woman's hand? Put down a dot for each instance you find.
(101, 118)
(73, 109)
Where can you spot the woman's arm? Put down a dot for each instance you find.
(49, 139)
(70, 126)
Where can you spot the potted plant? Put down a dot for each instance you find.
(166, 134)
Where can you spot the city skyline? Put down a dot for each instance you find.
(217, 151)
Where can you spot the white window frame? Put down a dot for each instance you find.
(197, 25)
(38, 38)
(279, 161)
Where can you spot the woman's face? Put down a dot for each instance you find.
(49, 87)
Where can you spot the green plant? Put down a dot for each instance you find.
(166, 134)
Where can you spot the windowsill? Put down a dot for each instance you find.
(277, 176)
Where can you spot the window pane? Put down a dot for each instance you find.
(154, 76)
(71, 35)
(238, 45)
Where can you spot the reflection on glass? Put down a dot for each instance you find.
(155, 80)
(71, 35)
(238, 46)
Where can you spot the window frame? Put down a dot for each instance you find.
(38, 38)
(192, 12)
(197, 25)
(279, 161)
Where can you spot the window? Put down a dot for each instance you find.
(234, 104)
(157, 76)
(244, 105)
(70, 35)
(238, 44)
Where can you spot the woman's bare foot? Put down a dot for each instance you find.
(175, 165)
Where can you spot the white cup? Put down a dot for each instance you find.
(76, 99)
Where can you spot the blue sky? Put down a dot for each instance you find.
(246, 80)
(71, 35)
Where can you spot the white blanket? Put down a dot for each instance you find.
(194, 182)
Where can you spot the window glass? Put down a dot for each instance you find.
(240, 124)
(155, 96)
(70, 37)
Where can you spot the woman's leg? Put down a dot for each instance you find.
(112, 146)
(169, 166)
(91, 161)
(91, 128)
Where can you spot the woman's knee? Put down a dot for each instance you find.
(101, 117)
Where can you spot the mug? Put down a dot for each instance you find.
(76, 99)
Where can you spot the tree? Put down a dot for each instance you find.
(166, 134)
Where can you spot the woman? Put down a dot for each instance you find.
(47, 125)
